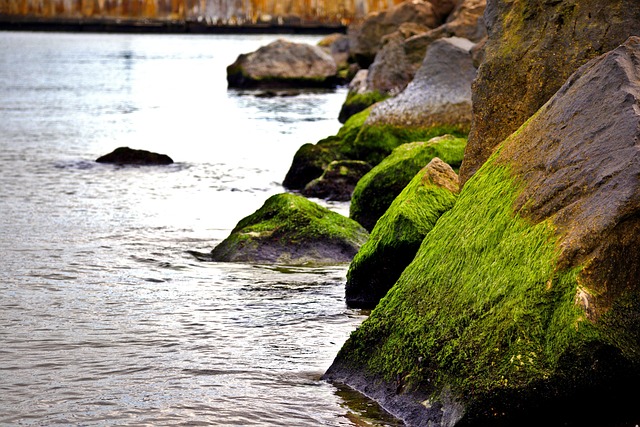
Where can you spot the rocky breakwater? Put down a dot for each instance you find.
(284, 64)
(289, 229)
(437, 102)
(522, 305)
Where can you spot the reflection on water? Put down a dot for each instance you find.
(105, 318)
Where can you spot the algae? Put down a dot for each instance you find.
(482, 308)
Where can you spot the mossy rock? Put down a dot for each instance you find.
(531, 50)
(523, 302)
(398, 234)
(357, 102)
(376, 190)
(337, 181)
(289, 229)
(311, 160)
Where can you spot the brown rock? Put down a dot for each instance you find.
(531, 51)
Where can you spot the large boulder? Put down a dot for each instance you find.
(337, 181)
(130, 156)
(375, 192)
(396, 237)
(283, 64)
(440, 93)
(289, 229)
(532, 49)
(365, 39)
(522, 306)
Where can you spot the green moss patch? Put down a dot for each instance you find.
(482, 308)
(375, 192)
(292, 229)
(357, 102)
(395, 240)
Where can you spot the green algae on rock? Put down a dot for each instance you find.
(398, 234)
(337, 181)
(375, 192)
(289, 229)
(522, 302)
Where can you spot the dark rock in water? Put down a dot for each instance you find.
(375, 192)
(338, 180)
(397, 235)
(283, 64)
(523, 302)
(532, 49)
(129, 156)
(289, 229)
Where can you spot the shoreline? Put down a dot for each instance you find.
(107, 25)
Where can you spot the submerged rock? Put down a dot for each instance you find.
(283, 64)
(531, 51)
(338, 180)
(396, 237)
(129, 156)
(375, 192)
(523, 302)
(289, 229)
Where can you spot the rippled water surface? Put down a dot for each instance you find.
(105, 318)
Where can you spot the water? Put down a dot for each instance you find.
(105, 319)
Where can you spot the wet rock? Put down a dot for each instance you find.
(129, 156)
(531, 51)
(289, 229)
(283, 64)
(365, 39)
(522, 302)
(375, 192)
(396, 237)
(337, 181)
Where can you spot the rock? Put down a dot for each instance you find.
(365, 39)
(396, 237)
(337, 181)
(375, 192)
(283, 64)
(402, 53)
(443, 8)
(129, 156)
(359, 98)
(440, 93)
(531, 51)
(337, 45)
(289, 229)
(523, 302)
(311, 160)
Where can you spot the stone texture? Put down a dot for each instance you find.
(129, 156)
(283, 64)
(533, 47)
(440, 93)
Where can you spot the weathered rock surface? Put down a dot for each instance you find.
(522, 304)
(440, 93)
(283, 64)
(129, 156)
(337, 45)
(402, 53)
(365, 39)
(532, 49)
(396, 237)
(289, 229)
(337, 181)
(375, 192)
